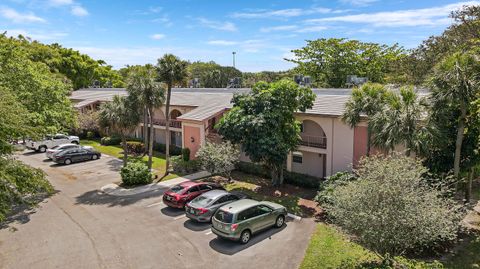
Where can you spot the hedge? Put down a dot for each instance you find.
(135, 148)
(174, 150)
(135, 173)
(110, 141)
(179, 165)
(292, 178)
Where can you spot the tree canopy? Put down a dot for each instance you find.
(330, 61)
(263, 122)
(211, 74)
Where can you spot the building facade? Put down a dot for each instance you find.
(327, 144)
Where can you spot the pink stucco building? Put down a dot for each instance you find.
(328, 145)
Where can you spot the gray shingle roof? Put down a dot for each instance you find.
(208, 101)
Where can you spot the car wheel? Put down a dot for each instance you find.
(245, 236)
(280, 221)
(67, 161)
(94, 156)
(42, 149)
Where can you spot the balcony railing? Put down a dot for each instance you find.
(313, 141)
(163, 122)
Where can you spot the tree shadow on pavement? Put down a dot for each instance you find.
(96, 197)
(229, 247)
(20, 214)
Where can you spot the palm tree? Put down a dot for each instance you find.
(171, 70)
(402, 121)
(365, 102)
(122, 116)
(455, 85)
(143, 87)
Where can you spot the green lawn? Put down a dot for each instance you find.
(328, 248)
(158, 160)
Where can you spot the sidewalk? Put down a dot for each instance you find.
(115, 190)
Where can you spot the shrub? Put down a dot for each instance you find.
(328, 186)
(292, 178)
(174, 150)
(135, 148)
(186, 154)
(184, 167)
(301, 180)
(90, 135)
(110, 141)
(20, 184)
(135, 173)
(391, 208)
(218, 157)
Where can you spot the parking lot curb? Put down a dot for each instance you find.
(295, 217)
(115, 190)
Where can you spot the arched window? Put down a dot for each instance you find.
(174, 114)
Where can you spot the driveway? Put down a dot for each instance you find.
(81, 227)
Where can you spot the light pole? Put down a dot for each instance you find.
(233, 53)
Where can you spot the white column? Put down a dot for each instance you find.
(289, 162)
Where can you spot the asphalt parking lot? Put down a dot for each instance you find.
(81, 227)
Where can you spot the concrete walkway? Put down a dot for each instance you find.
(115, 190)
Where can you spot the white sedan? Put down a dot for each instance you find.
(62, 147)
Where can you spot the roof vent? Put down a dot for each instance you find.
(194, 83)
(235, 82)
(303, 80)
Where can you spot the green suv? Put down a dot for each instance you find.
(240, 219)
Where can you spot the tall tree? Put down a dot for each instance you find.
(365, 101)
(455, 85)
(122, 116)
(263, 123)
(330, 61)
(402, 121)
(171, 70)
(150, 94)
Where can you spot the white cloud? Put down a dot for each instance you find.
(157, 36)
(37, 35)
(358, 2)
(79, 11)
(433, 16)
(281, 13)
(16, 17)
(311, 29)
(217, 25)
(278, 28)
(222, 42)
(60, 2)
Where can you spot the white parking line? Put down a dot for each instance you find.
(210, 232)
(179, 217)
(159, 203)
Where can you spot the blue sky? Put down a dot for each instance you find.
(261, 32)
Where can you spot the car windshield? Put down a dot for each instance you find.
(224, 216)
(177, 189)
(201, 201)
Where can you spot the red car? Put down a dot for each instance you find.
(179, 195)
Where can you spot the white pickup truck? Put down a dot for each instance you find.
(51, 141)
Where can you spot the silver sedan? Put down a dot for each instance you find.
(203, 207)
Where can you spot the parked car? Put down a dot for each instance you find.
(62, 147)
(76, 155)
(180, 194)
(203, 207)
(52, 141)
(241, 219)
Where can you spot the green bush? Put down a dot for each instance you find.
(392, 210)
(20, 184)
(186, 154)
(184, 167)
(90, 135)
(136, 173)
(327, 187)
(292, 178)
(135, 148)
(110, 141)
(174, 150)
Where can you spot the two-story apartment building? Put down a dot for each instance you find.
(328, 145)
